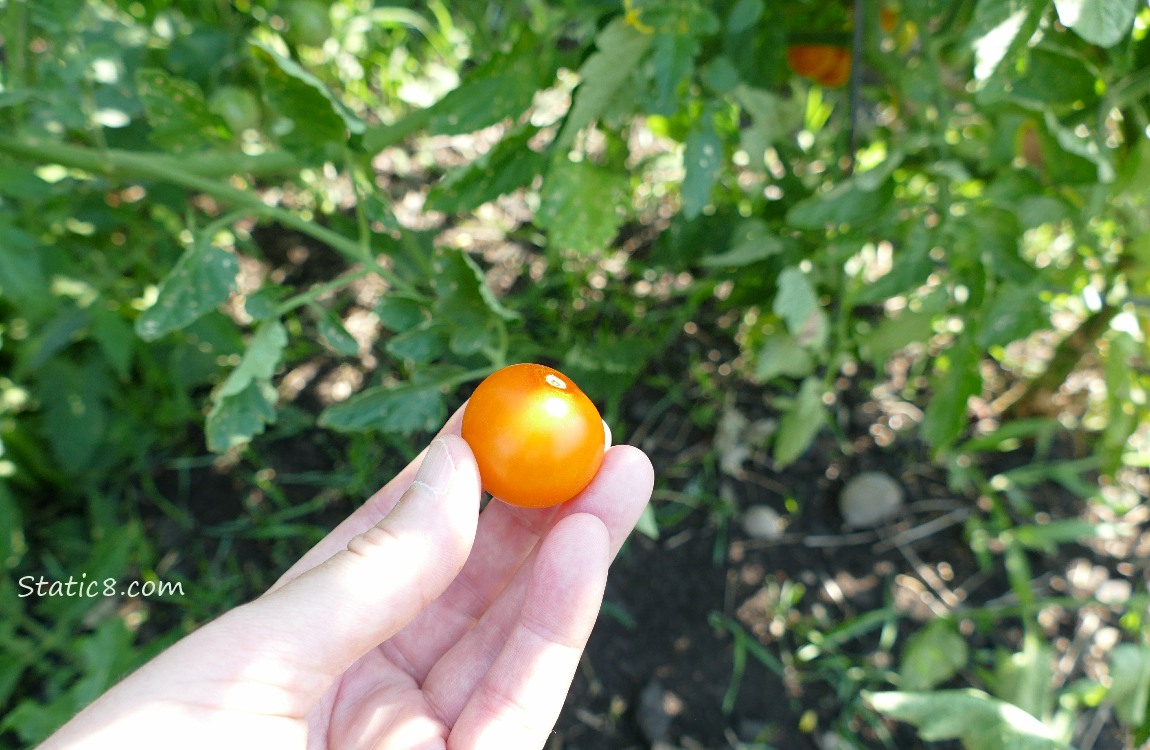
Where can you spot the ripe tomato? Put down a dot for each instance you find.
(537, 438)
(824, 64)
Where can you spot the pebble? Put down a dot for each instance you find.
(762, 522)
(870, 499)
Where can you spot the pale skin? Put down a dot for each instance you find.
(417, 623)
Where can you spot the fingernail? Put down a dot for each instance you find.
(437, 467)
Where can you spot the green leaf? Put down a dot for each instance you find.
(979, 721)
(800, 423)
(845, 203)
(509, 165)
(1024, 678)
(477, 104)
(702, 161)
(1000, 27)
(12, 542)
(75, 407)
(1130, 682)
(312, 116)
(744, 15)
(22, 276)
(1015, 312)
(401, 409)
(751, 242)
(603, 76)
(235, 419)
(336, 336)
(955, 380)
(200, 281)
(581, 205)
(177, 111)
(116, 339)
(419, 345)
(781, 355)
(246, 401)
(672, 56)
(798, 305)
(400, 313)
(1101, 22)
(932, 656)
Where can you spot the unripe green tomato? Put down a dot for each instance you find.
(238, 107)
(308, 22)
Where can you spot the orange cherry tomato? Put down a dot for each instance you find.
(824, 64)
(537, 438)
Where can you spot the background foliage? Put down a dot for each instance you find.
(472, 184)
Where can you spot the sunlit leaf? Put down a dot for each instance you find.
(400, 409)
(620, 48)
(581, 205)
(200, 281)
(800, 423)
(1101, 22)
(932, 656)
(978, 720)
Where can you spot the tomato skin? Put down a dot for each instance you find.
(537, 438)
(825, 64)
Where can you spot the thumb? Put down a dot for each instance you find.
(328, 617)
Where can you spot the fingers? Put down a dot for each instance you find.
(518, 700)
(506, 538)
(616, 498)
(368, 514)
(322, 621)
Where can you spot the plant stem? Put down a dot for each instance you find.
(127, 165)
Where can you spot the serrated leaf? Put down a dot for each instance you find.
(1024, 678)
(477, 104)
(672, 56)
(263, 356)
(932, 656)
(581, 205)
(509, 165)
(461, 290)
(336, 336)
(702, 161)
(800, 423)
(781, 355)
(313, 116)
(798, 305)
(419, 345)
(955, 380)
(200, 281)
(235, 419)
(620, 48)
(979, 721)
(845, 203)
(1101, 22)
(998, 27)
(400, 313)
(246, 401)
(401, 409)
(177, 111)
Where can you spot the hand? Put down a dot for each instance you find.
(417, 623)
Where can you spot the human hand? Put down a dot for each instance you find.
(416, 623)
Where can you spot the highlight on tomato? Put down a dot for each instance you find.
(537, 438)
(825, 64)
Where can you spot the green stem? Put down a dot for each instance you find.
(127, 165)
(319, 290)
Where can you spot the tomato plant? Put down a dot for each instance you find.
(309, 22)
(239, 107)
(537, 438)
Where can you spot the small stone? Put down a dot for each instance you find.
(870, 499)
(762, 522)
